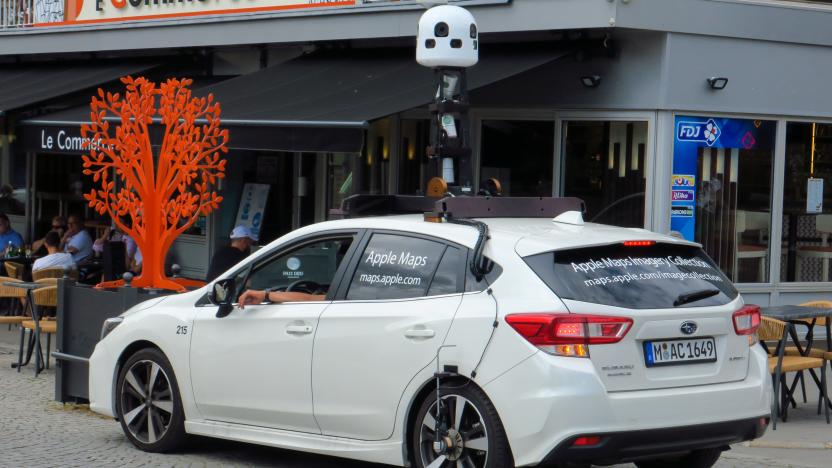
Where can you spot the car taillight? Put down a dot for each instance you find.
(642, 243)
(569, 334)
(746, 322)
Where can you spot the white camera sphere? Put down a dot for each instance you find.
(448, 37)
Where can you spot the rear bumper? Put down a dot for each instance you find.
(546, 401)
(628, 446)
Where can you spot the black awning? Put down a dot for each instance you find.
(24, 85)
(355, 88)
(316, 103)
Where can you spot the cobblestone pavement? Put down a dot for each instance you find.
(35, 431)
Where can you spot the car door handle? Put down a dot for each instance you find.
(419, 333)
(299, 329)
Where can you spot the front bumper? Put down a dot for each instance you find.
(101, 380)
(629, 446)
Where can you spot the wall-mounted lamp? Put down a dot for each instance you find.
(591, 81)
(717, 82)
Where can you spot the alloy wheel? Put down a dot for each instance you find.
(466, 438)
(146, 401)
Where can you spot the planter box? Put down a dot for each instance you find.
(81, 313)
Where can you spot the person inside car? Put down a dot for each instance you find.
(253, 296)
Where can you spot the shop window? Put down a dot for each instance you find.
(375, 168)
(413, 165)
(604, 165)
(520, 154)
(721, 191)
(340, 180)
(807, 214)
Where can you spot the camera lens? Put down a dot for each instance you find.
(430, 43)
(441, 29)
(473, 31)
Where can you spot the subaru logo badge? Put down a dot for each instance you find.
(688, 328)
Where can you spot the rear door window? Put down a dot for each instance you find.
(395, 267)
(643, 277)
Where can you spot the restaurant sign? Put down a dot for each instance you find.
(108, 11)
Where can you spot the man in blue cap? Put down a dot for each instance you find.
(227, 256)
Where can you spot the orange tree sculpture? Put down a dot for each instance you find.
(154, 197)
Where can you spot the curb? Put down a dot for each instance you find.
(789, 445)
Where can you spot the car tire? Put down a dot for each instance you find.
(705, 458)
(480, 425)
(148, 402)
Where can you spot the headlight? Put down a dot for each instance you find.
(109, 325)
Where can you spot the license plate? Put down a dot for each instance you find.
(684, 351)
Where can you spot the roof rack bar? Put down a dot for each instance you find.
(508, 207)
(458, 207)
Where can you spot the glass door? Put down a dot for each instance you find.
(606, 163)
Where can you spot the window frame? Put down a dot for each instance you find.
(358, 237)
(347, 277)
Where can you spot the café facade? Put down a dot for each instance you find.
(708, 119)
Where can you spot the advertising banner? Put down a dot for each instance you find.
(104, 11)
(252, 206)
(693, 135)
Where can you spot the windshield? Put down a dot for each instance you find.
(643, 277)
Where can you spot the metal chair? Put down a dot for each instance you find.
(779, 365)
(43, 297)
(13, 313)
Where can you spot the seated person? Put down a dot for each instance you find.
(56, 258)
(58, 225)
(7, 234)
(77, 240)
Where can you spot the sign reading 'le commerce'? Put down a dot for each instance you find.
(95, 11)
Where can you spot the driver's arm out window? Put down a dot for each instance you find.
(315, 262)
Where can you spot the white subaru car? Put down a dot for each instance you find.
(485, 342)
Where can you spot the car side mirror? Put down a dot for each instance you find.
(222, 295)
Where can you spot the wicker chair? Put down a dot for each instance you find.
(54, 273)
(13, 313)
(814, 352)
(43, 297)
(14, 270)
(779, 365)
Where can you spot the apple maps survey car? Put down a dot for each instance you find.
(550, 340)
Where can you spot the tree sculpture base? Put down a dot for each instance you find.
(174, 284)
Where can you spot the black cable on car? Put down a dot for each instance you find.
(480, 265)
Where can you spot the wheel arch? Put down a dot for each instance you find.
(125, 354)
(415, 402)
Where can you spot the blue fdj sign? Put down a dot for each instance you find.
(707, 132)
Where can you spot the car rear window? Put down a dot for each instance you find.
(642, 277)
